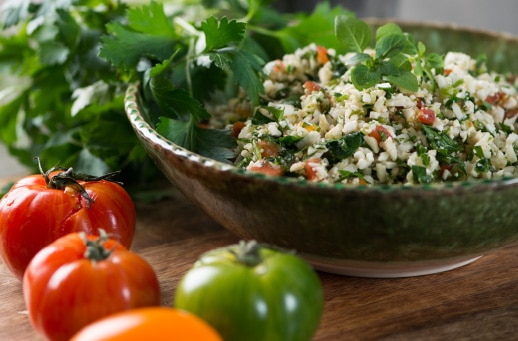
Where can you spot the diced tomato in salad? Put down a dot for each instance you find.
(266, 167)
(309, 168)
(426, 116)
(322, 56)
(380, 133)
(279, 66)
(237, 127)
(268, 149)
(495, 98)
(310, 86)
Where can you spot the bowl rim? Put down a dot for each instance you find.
(142, 127)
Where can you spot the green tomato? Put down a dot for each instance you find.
(253, 292)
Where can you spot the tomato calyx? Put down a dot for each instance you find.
(95, 249)
(248, 253)
(69, 178)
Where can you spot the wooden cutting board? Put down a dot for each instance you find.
(478, 301)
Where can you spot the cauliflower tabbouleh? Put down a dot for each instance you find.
(459, 124)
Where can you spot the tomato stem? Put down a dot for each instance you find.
(95, 250)
(248, 253)
(69, 178)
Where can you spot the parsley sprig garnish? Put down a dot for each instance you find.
(396, 58)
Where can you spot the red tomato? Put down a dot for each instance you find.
(237, 127)
(495, 98)
(157, 324)
(310, 86)
(311, 174)
(510, 113)
(39, 209)
(380, 133)
(79, 279)
(426, 116)
(266, 167)
(268, 148)
(444, 168)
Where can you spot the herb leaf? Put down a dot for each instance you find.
(391, 61)
(152, 20)
(354, 34)
(405, 80)
(125, 47)
(12, 13)
(245, 68)
(318, 27)
(420, 176)
(388, 29)
(182, 127)
(364, 77)
(390, 45)
(212, 143)
(219, 34)
(344, 147)
(445, 146)
(176, 102)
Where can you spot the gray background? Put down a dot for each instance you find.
(497, 15)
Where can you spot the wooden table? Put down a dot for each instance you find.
(478, 301)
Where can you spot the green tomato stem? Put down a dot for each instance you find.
(248, 253)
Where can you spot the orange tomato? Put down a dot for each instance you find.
(322, 55)
(279, 66)
(154, 323)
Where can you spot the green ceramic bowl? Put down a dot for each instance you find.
(380, 231)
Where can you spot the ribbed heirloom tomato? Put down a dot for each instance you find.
(254, 293)
(79, 279)
(39, 209)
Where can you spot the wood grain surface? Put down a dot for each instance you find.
(476, 302)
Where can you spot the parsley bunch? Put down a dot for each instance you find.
(59, 100)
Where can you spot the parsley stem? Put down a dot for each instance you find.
(190, 54)
(261, 30)
(186, 26)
